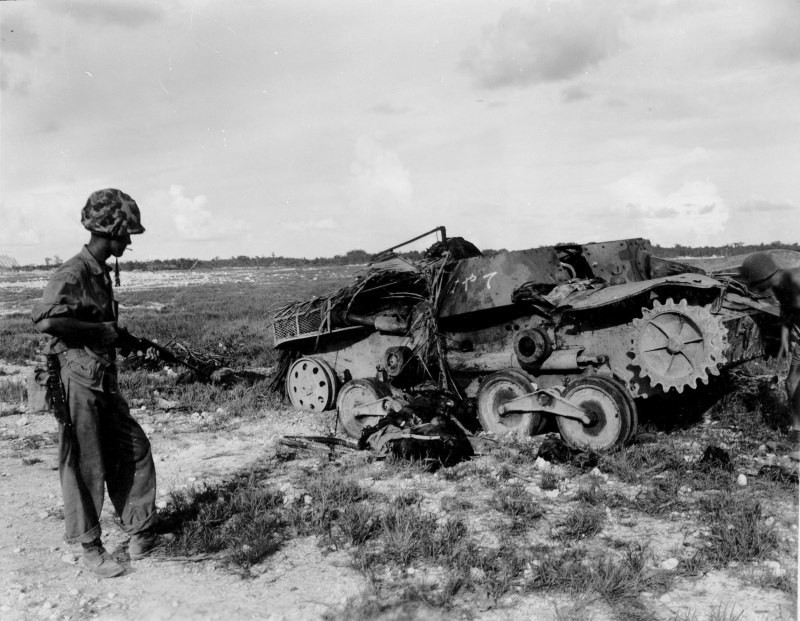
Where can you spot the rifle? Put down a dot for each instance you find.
(129, 343)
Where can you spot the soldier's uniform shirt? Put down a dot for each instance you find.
(106, 447)
(787, 292)
(81, 289)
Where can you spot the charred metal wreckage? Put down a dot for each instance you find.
(578, 333)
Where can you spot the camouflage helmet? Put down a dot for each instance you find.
(111, 213)
(758, 268)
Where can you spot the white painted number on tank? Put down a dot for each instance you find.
(472, 278)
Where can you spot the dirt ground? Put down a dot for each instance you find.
(40, 577)
(40, 573)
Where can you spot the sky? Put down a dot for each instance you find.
(308, 128)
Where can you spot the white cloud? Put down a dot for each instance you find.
(310, 225)
(189, 217)
(760, 205)
(574, 93)
(19, 37)
(693, 214)
(379, 181)
(41, 223)
(120, 13)
(18, 229)
(554, 41)
(758, 219)
(777, 31)
(389, 109)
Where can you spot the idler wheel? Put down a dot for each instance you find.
(311, 385)
(532, 346)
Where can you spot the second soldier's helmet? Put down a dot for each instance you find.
(111, 213)
(757, 269)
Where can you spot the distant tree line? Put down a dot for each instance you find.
(360, 257)
(728, 250)
(353, 257)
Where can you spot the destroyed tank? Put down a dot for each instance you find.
(581, 334)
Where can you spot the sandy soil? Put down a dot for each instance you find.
(141, 279)
(41, 577)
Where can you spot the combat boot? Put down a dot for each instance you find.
(142, 544)
(97, 560)
(794, 450)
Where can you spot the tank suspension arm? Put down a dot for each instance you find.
(547, 401)
(570, 360)
(377, 408)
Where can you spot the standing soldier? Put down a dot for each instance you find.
(100, 444)
(761, 273)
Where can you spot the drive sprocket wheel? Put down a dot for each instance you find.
(675, 345)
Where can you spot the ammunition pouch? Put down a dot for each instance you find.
(89, 369)
(56, 396)
(38, 399)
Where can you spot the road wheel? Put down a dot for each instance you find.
(355, 394)
(611, 409)
(311, 385)
(498, 389)
(617, 385)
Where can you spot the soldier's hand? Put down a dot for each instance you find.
(783, 352)
(151, 354)
(107, 333)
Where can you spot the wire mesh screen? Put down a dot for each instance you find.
(297, 321)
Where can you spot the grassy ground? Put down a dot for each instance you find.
(232, 320)
(486, 533)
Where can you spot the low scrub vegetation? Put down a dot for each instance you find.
(416, 552)
(13, 391)
(585, 520)
(240, 518)
(738, 531)
(518, 505)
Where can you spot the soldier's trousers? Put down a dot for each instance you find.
(105, 447)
